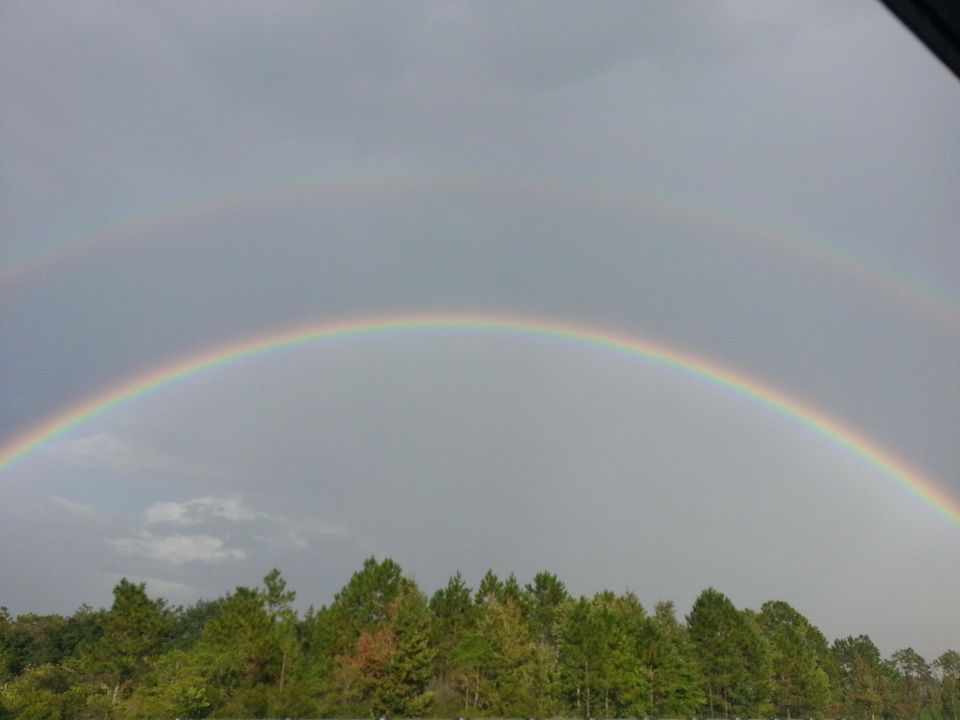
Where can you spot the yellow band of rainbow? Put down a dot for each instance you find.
(844, 436)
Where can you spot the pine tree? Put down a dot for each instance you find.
(913, 691)
(490, 588)
(948, 665)
(452, 611)
(363, 605)
(733, 655)
(861, 677)
(133, 631)
(799, 656)
(546, 596)
(675, 679)
(599, 659)
(495, 662)
(241, 643)
(411, 667)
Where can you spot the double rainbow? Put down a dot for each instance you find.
(838, 433)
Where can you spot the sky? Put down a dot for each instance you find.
(769, 187)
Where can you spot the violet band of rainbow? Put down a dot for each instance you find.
(842, 435)
(362, 184)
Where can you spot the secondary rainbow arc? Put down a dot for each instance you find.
(897, 470)
(908, 291)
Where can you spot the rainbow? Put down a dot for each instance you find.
(361, 183)
(141, 385)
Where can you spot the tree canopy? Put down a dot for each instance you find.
(381, 648)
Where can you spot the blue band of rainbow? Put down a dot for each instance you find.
(842, 435)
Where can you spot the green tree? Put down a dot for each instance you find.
(5, 655)
(322, 638)
(279, 604)
(490, 588)
(133, 632)
(411, 667)
(733, 655)
(81, 630)
(713, 624)
(753, 697)
(948, 667)
(54, 692)
(546, 595)
(860, 677)
(240, 643)
(669, 657)
(178, 685)
(363, 605)
(495, 662)
(390, 666)
(512, 592)
(452, 611)
(31, 640)
(912, 691)
(598, 659)
(799, 655)
(626, 682)
(188, 623)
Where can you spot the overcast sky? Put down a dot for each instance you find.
(768, 185)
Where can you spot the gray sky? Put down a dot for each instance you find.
(768, 185)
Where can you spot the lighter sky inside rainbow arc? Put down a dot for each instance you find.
(909, 292)
(892, 467)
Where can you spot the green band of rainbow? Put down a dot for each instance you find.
(372, 181)
(892, 467)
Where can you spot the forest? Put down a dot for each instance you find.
(382, 648)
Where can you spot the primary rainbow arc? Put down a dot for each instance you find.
(842, 435)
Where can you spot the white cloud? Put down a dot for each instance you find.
(207, 513)
(168, 512)
(196, 511)
(115, 453)
(179, 549)
(74, 508)
(167, 589)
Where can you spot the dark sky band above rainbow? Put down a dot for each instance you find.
(840, 434)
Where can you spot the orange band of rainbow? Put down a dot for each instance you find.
(869, 451)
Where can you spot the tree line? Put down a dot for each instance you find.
(383, 648)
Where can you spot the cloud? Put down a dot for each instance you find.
(167, 589)
(179, 549)
(274, 529)
(74, 508)
(196, 511)
(214, 519)
(117, 454)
